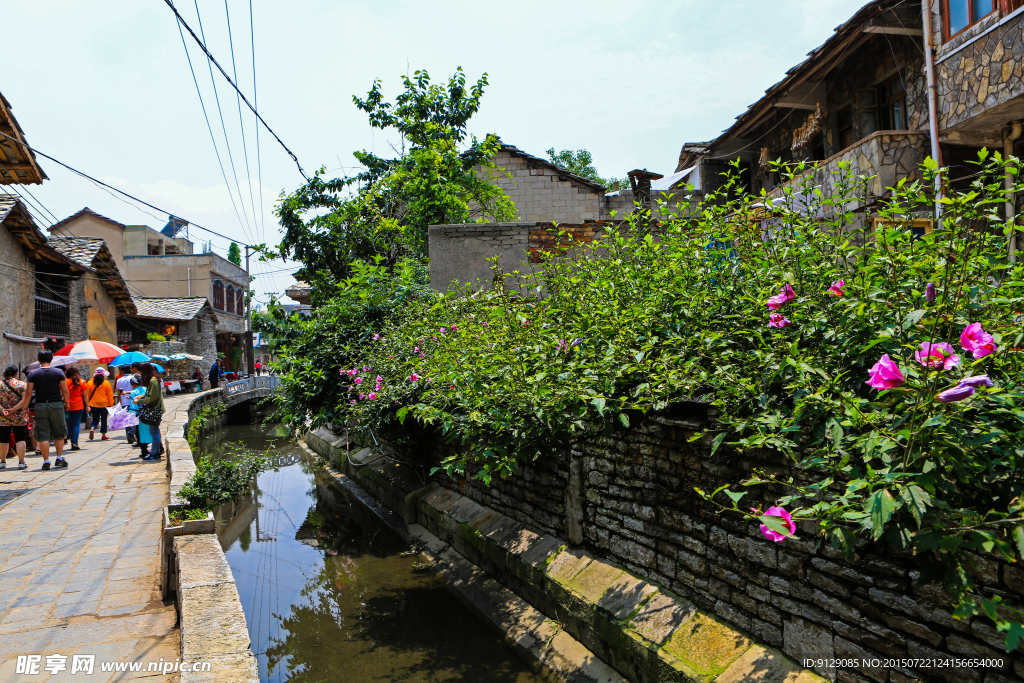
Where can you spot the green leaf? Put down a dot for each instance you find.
(913, 317)
(775, 523)
(599, 404)
(402, 412)
(918, 501)
(624, 419)
(736, 496)
(717, 442)
(1014, 633)
(1018, 538)
(879, 506)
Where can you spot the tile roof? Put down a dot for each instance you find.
(172, 308)
(81, 250)
(19, 162)
(562, 173)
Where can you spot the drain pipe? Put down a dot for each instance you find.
(1009, 138)
(933, 114)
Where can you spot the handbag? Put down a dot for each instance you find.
(150, 415)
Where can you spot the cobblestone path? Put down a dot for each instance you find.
(80, 561)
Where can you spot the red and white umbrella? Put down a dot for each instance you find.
(91, 351)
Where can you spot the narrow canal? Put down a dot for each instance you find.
(331, 594)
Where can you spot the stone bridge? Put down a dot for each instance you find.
(240, 391)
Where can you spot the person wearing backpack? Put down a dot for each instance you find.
(15, 425)
(101, 397)
(50, 389)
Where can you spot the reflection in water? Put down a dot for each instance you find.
(328, 594)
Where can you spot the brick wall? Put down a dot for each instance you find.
(637, 508)
(541, 194)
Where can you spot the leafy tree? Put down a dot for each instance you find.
(386, 209)
(581, 163)
(235, 254)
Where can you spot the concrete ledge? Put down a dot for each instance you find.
(211, 620)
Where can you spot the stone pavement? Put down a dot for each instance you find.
(80, 563)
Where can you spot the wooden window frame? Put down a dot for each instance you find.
(1001, 6)
(218, 288)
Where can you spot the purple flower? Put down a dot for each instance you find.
(376, 337)
(359, 380)
(957, 393)
(977, 381)
(414, 377)
(939, 355)
(976, 340)
(929, 293)
(778, 320)
(885, 374)
(415, 349)
(372, 396)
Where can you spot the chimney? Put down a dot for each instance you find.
(640, 182)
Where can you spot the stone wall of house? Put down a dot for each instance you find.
(78, 310)
(886, 156)
(540, 193)
(17, 302)
(629, 498)
(200, 337)
(981, 70)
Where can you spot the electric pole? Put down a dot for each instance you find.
(249, 359)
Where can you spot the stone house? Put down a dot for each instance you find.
(100, 295)
(35, 297)
(545, 192)
(190, 320)
(862, 97)
(160, 263)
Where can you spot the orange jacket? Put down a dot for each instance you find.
(101, 396)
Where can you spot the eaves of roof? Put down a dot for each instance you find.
(818, 63)
(85, 211)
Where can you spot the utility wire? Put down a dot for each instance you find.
(259, 168)
(242, 95)
(111, 187)
(224, 128)
(241, 122)
(209, 127)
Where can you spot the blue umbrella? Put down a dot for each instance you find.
(159, 368)
(159, 357)
(129, 358)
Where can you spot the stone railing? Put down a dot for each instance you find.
(268, 383)
(886, 156)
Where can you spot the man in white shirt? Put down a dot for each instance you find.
(124, 390)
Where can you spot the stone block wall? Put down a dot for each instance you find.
(981, 70)
(632, 497)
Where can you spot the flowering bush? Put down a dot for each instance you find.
(876, 353)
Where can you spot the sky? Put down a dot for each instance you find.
(106, 87)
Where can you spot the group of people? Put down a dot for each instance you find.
(55, 400)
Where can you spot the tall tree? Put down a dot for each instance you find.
(385, 210)
(235, 254)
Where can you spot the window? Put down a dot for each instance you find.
(240, 302)
(218, 295)
(892, 109)
(961, 14)
(230, 305)
(844, 120)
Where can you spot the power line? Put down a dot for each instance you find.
(209, 56)
(259, 169)
(209, 127)
(224, 128)
(241, 122)
(111, 187)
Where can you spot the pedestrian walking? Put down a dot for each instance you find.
(124, 391)
(259, 368)
(101, 397)
(77, 404)
(51, 401)
(214, 375)
(151, 411)
(14, 426)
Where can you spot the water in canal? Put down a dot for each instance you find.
(330, 594)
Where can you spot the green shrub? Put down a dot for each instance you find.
(201, 419)
(223, 479)
(154, 337)
(632, 324)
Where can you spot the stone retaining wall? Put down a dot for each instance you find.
(629, 499)
(640, 628)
